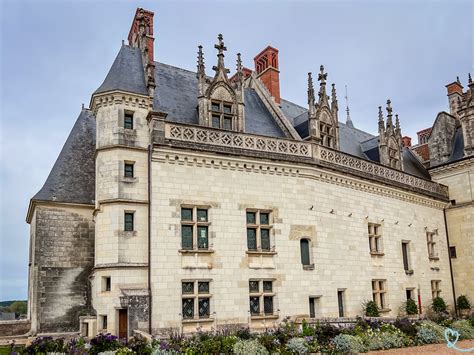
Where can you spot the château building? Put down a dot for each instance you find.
(203, 199)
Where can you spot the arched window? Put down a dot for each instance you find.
(304, 248)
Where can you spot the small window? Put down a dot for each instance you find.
(104, 321)
(128, 120)
(430, 239)
(304, 249)
(258, 231)
(128, 225)
(227, 109)
(375, 238)
(196, 299)
(261, 297)
(106, 283)
(379, 293)
(406, 264)
(452, 252)
(216, 121)
(313, 306)
(453, 202)
(340, 302)
(128, 170)
(435, 288)
(228, 123)
(215, 107)
(194, 228)
(410, 295)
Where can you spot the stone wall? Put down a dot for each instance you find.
(63, 260)
(14, 327)
(329, 208)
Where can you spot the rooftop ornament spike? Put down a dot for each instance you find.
(322, 85)
(310, 90)
(389, 114)
(221, 48)
(469, 78)
(200, 62)
(334, 105)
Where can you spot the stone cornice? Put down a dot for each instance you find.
(255, 165)
(117, 97)
(34, 203)
(201, 138)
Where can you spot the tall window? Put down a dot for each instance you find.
(313, 306)
(195, 299)
(194, 228)
(410, 294)
(452, 252)
(104, 321)
(106, 283)
(128, 120)
(305, 255)
(375, 238)
(435, 288)
(261, 297)
(128, 221)
(340, 302)
(222, 115)
(405, 255)
(379, 293)
(258, 230)
(430, 240)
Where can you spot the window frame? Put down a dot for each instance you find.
(126, 224)
(452, 252)
(106, 284)
(126, 174)
(379, 294)
(310, 264)
(431, 244)
(222, 114)
(262, 295)
(374, 231)
(103, 321)
(196, 225)
(435, 289)
(128, 115)
(197, 297)
(258, 227)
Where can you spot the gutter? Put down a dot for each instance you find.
(449, 258)
(150, 148)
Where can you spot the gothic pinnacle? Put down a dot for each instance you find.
(220, 55)
(469, 78)
(389, 114)
(200, 61)
(310, 90)
(334, 105)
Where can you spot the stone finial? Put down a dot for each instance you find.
(334, 105)
(220, 56)
(398, 130)
(310, 91)
(322, 75)
(200, 63)
(381, 120)
(389, 114)
(469, 78)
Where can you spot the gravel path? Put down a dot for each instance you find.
(430, 349)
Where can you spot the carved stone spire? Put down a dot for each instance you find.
(310, 92)
(334, 104)
(398, 131)
(381, 121)
(322, 85)
(239, 67)
(390, 140)
(200, 63)
(220, 69)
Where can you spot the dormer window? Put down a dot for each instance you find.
(221, 115)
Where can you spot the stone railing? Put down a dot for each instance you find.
(210, 136)
(237, 140)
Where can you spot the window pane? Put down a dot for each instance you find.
(203, 287)
(267, 286)
(253, 286)
(187, 237)
(227, 109)
(254, 305)
(215, 107)
(251, 239)
(204, 306)
(265, 239)
(251, 218)
(312, 308)
(216, 121)
(268, 304)
(227, 123)
(187, 287)
(264, 218)
(188, 308)
(186, 214)
(202, 215)
(128, 121)
(128, 222)
(128, 170)
(304, 248)
(202, 239)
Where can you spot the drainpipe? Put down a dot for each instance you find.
(450, 265)
(150, 149)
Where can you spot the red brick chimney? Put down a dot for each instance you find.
(266, 67)
(454, 94)
(141, 32)
(406, 141)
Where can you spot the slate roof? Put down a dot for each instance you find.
(458, 147)
(72, 178)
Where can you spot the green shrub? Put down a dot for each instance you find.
(466, 331)
(297, 346)
(140, 345)
(411, 307)
(429, 333)
(438, 305)
(227, 343)
(269, 341)
(307, 329)
(45, 345)
(463, 303)
(371, 309)
(345, 343)
(165, 352)
(249, 347)
(406, 326)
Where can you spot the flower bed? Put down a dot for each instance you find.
(287, 338)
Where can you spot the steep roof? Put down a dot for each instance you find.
(72, 178)
(126, 73)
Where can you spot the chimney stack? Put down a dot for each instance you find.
(266, 67)
(454, 92)
(406, 141)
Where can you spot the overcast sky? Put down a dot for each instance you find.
(55, 54)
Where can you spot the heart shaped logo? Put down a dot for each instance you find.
(451, 336)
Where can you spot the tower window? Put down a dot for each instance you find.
(375, 238)
(194, 228)
(128, 120)
(128, 171)
(128, 224)
(304, 249)
(452, 252)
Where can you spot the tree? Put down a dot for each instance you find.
(19, 307)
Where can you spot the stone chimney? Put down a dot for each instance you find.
(454, 95)
(406, 141)
(141, 36)
(266, 67)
